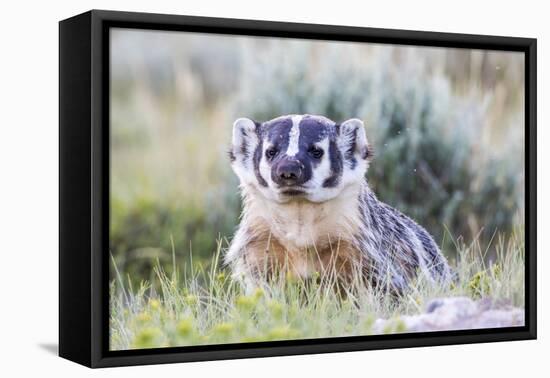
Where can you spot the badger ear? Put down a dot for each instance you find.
(244, 140)
(353, 140)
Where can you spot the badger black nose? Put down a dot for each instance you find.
(288, 174)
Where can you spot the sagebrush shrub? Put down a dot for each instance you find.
(429, 161)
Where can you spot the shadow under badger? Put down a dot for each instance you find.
(308, 210)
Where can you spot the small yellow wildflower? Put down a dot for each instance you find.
(191, 299)
(258, 293)
(146, 338)
(224, 329)
(276, 309)
(244, 302)
(144, 317)
(284, 332)
(185, 327)
(154, 304)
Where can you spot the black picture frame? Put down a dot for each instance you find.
(84, 187)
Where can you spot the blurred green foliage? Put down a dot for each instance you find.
(148, 231)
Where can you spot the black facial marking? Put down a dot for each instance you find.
(256, 160)
(336, 166)
(311, 131)
(276, 132)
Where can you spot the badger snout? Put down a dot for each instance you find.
(288, 172)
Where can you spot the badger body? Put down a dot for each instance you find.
(308, 209)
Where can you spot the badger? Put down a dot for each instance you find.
(308, 209)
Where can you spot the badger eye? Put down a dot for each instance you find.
(270, 153)
(316, 152)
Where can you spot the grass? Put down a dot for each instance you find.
(204, 305)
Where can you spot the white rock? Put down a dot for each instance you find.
(455, 313)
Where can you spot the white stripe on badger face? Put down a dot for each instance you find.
(294, 136)
(323, 169)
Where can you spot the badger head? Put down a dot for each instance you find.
(303, 157)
